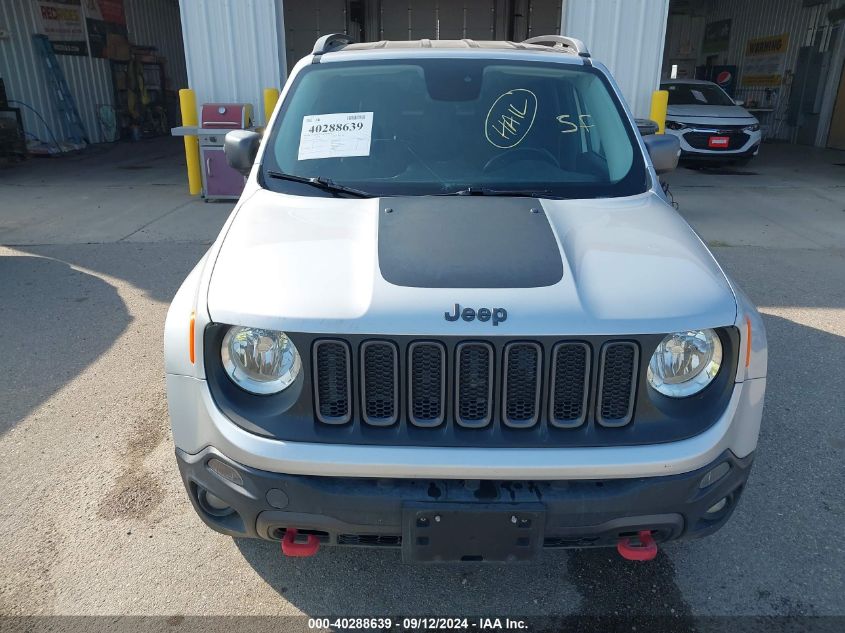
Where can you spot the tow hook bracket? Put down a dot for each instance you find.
(308, 548)
(646, 550)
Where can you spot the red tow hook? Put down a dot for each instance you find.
(308, 548)
(646, 550)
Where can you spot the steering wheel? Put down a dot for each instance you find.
(516, 155)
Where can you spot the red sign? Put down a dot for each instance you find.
(718, 142)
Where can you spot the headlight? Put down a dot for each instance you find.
(260, 361)
(751, 128)
(674, 125)
(685, 363)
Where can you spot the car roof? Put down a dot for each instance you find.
(448, 44)
(341, 44)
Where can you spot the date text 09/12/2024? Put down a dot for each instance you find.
(417, 623)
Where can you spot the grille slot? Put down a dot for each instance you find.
(427, 384)
(521, 405)
(332, 382)
(617, 383)
(370, 540)
(379, 382)
(474, 384)
(570, 384)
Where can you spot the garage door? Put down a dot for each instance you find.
(307, 21)
(438, 20)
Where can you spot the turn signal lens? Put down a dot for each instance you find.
(191, 344)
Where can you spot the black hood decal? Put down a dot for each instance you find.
(467, 242)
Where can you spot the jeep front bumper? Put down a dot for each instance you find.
(369, 512)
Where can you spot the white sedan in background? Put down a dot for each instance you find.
(709, 124)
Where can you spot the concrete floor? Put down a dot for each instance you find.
(93, 517)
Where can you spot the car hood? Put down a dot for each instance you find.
(700, 112)
(399, 266)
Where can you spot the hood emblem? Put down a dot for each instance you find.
(497, 315)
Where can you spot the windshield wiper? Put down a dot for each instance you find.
(321, 183)
(486, 191)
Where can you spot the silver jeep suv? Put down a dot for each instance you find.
(453, 313)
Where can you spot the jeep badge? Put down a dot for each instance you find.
(499, 315)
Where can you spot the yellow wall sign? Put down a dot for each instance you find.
(764, 60)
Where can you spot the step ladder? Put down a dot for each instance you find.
(71, 121)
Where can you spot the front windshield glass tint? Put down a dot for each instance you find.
(438, 126)
(697, 94)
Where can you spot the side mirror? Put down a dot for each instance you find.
(739, 102)
(664, 150)
(241, 147)
(647, 126)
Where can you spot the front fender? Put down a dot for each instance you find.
(177, 327)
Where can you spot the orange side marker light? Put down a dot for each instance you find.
(747, 342)
(191, 353)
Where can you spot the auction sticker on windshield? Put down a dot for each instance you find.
(335, 135)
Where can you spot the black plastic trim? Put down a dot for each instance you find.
(443, 380)
(395, 388)
(577, 512)
(323, 418)
(569, 424)
(474, 424)
(290, 416)
(521, 424)
(617, 422)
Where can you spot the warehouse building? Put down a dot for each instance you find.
(124, 60)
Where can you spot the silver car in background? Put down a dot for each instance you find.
(709, 124)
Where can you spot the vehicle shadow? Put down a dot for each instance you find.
(352, 581)
(60, 311)
(54, 322)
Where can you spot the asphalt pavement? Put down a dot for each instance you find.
(93, 516)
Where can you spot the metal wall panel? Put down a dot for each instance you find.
(22, 70)
(625, 35)
(157, 23)
(232, 49)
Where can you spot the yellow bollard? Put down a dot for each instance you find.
(271, 96)
(659, 105)
(188, 105)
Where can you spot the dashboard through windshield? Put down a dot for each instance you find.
(453, 126)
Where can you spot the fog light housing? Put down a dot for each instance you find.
(212, 504)
(718, 506)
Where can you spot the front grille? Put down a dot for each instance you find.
(475, 384)
(522, 384)
(427, 384)
(617, 383)
(448, 389)
(380, 382)
(333, 395)
(699, 140)
(570, 384)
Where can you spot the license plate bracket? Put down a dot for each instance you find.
(455, 532)
(718, 142)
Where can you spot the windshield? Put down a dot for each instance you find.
(441, 126)
(697, 94)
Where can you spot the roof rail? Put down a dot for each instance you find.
(327, 43)
(577, 46)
